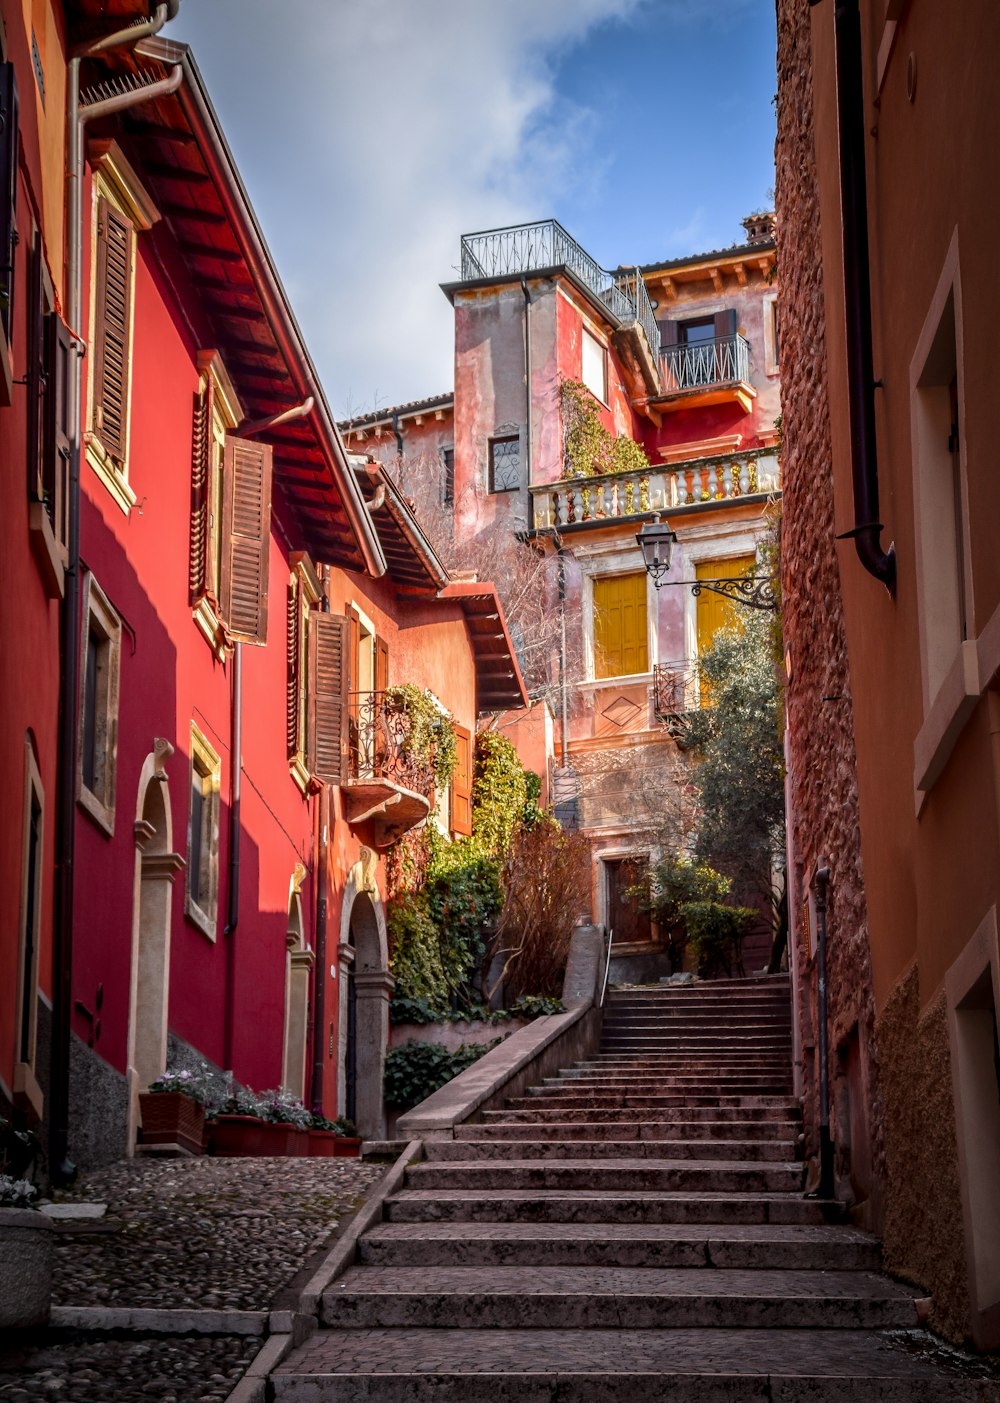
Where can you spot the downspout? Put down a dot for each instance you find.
(861, 383)
(322, 879)
(233, 896)
(63, 1170)
(563, 695)
(397, 435)
(527, 380)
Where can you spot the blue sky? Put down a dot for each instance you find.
(372, 133)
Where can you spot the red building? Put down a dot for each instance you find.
(248, 597)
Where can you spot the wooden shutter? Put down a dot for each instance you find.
(294, 742)
(461, 783)
(112, 328)
(38, 390)
(715, 611)
(620, 641)
(9, 141)
(202, 445)
(725, 323)
(246, 538)
(668, 334)
(381, 664)
(329, 687)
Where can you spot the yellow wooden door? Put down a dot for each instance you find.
(620, 641)
(714, 610)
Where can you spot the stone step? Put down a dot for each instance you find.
(494, 1148)
(666, 1115)
(739, 1247)
(600, 1298)
(611, 1175)
(731, 1130)
(648, 1101)
(532, 1205)
(605, 1366)
(665, 1040)
(645, 1081)
(677, 1086)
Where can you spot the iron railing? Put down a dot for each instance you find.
(528, 248)
(595, 499)
(674, 697)
(700, 364)
(380, 749)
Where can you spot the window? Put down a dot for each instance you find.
(621, 646)
(122, 210)
(230, 516)
(27, 1093)
(772, 339)
(715, 611)
(448, 486)
(460, 799)
(595, 366)
(9, 143)
(304, 592)
(100, 655)
(202, 895)
(328, 708)
(701, 351)
(48, 385)
(505, 463)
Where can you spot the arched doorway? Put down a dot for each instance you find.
(299, 961)
(364, 1009)
(156, 865)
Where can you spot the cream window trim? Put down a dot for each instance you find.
(202, 907)
(622, 562)
(227, 414)
(120, 183)
(25, 1086)
(308, 591)
(99, 617)
(108, 471)
(771, 349)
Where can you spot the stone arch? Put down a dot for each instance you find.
(365, 987)
(156, 865)
(299, 962)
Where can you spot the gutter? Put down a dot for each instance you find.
(867, 529)
(62, 1168)
(198, 110)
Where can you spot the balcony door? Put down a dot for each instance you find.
(624, 918)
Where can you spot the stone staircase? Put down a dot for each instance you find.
(633, 1227)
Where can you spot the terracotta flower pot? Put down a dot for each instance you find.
(347, 1146)
(322, 1143)
(171, 1118)
(231, 1135)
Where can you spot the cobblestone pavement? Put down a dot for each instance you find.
(215, 1234)
(207, 1234)
(76, 1368)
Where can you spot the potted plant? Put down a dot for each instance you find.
(322, 1137)
(172, 1110)
(288, 1122)
(238, 1128)
(347, 1144)
(25, 1250)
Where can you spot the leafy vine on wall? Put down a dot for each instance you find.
(590, 449)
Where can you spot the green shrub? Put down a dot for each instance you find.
(417, 1069)
(415, 951)
(591, 450)
(536, 1006)
(715, 933)
(671, 883)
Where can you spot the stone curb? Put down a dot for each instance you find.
(342, 1253)
(160, 1322)
(252, 1388)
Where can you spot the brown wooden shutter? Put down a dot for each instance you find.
(112, 327)
(461, 783)
(202, 444)
(9, 143)
(725, 323)
(329, 687)
(293, 740)
(381, 664)
(38, 307)
(246, 538)
(60, 352)
(668, 334)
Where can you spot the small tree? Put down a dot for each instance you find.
(739, 775)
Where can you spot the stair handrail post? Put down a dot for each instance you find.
(607, 967)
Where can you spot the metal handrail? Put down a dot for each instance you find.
(698, 364)
(607, 968)
(528, 248)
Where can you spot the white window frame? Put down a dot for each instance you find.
(100, 616)
(207, 764)
(592, 342)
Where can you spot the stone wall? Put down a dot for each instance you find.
(823, 779)
(924, 1234)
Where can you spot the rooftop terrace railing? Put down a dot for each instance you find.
(528, 248)
(701, 364)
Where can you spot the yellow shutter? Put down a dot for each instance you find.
(714, 610)
(620, 639)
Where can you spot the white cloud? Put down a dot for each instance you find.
(372, 133)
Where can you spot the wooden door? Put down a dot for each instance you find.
(624, 917)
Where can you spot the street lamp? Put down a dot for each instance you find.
(657, 541)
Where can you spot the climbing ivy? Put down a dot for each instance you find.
(431, 739)
(590, 449)
(417, 1069)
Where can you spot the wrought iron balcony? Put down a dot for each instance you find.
(674, 697)
(578, 501)
(529, 248)
(701, 365)
(388, 784)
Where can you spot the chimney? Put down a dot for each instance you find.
(760, 227)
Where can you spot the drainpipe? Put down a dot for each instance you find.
(233, 896)
(527, 377)
(274, 421)
(825, 1187)
(398, 436)
(63, 1170)
(861, 382)
(322, 880)
(563, 697)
